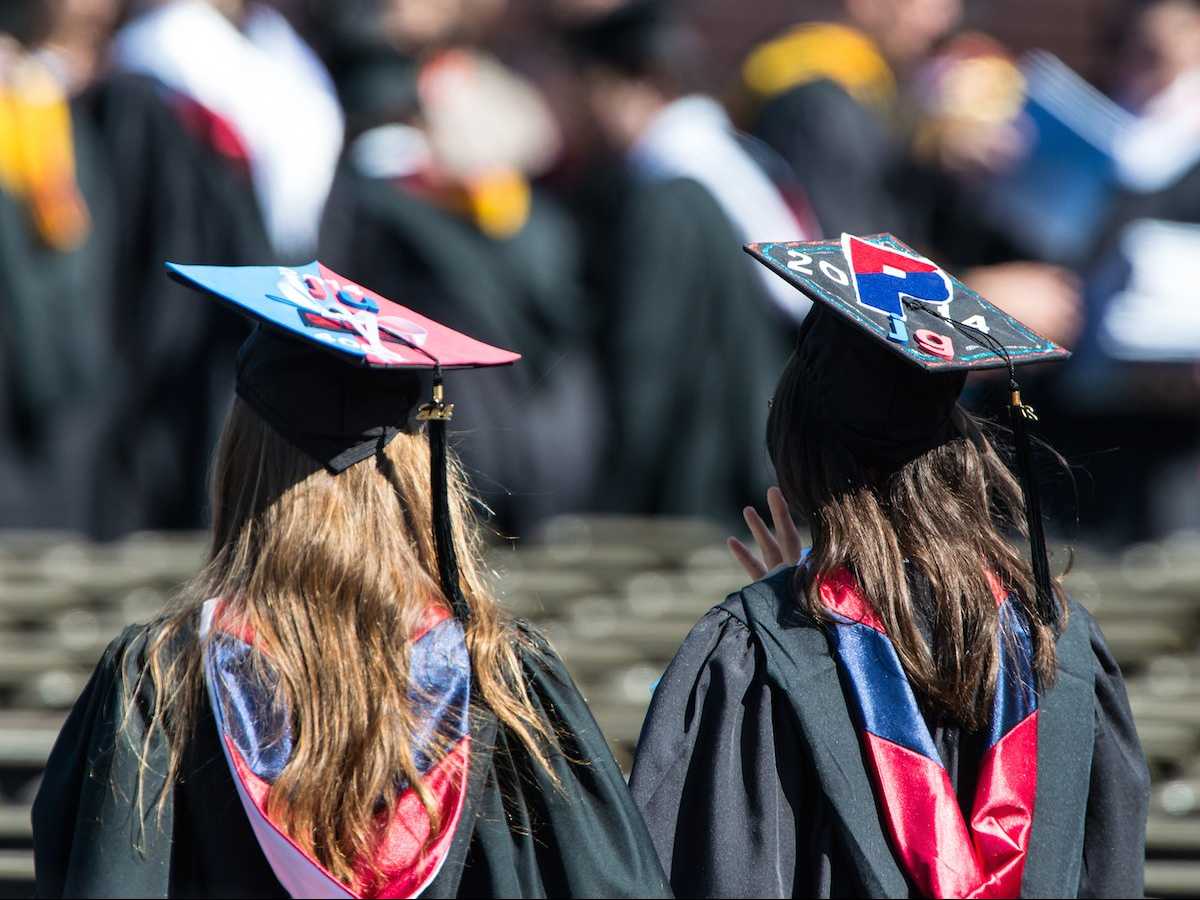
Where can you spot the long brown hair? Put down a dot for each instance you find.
(946, 512)
(333, 573)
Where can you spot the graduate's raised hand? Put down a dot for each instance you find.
(777, 547)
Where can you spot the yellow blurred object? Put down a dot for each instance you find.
(971, 107)
(37, 153)
(821, 51)
(983, 89)
(499, 202)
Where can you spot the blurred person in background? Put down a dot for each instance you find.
(1133, 388)
(842, 103)
(76, 44)
(692, 137)
(826, 96)
(244, 64)
(178, 172)
(688, 333)
(55, 206)
(436, 202)
(106, 174)
(1158, 158)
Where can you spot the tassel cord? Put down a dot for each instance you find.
(438, 414)
(1020, 417)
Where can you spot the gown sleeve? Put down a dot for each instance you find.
(577, 834)
(710, 770)
(87, 839)
(1119, 796)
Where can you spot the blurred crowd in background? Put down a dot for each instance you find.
(573, 179)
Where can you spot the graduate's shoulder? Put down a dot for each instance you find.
(1081, 617)
(1083, 649)
(748, 628)
(128, 647)
(554, 696)
(547, 680)
(120, 674)
(127, 655)
(533, 648)
(771, 603)
(753, 639)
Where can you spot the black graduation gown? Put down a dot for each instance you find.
(693, 349)
(750, 775)
(520, 836)
(55, 354)
(169, 373)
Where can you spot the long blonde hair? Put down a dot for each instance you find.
(333, 573)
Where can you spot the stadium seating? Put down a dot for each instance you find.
(615, 596)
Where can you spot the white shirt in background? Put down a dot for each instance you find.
(692, 137)
(268, 84)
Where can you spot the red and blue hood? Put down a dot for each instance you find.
(256, 736)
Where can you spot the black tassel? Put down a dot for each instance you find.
(437, 414)
(1021, 417)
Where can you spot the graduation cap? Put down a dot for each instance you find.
(336, 369)
(889, 342)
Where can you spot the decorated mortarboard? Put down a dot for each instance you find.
(906, 302)
(336, 369)
(888, 344)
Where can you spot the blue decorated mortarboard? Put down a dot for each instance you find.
(886, 349)
(334, 368)
(329, 312)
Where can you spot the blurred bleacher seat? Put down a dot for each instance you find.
(616, 596)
